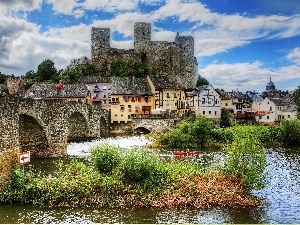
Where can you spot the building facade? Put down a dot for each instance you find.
(206, 101)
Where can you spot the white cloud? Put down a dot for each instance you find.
(65, 6)
(110, 6)
(16, 5)
(245, 76)
(294, 56)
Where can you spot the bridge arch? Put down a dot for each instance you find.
(32, 135)
(77, 125)
(142, 130)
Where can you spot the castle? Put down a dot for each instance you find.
(174, 60)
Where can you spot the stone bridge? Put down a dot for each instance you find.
(153, 124)
(43, 127)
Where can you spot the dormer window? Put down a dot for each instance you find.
(96, 89)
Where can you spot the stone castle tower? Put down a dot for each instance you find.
(174, 59)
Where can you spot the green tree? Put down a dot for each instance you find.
(3, 78)
(129, 68)
(201, 81)
(246, 158)
(225, 120)
(46, 70)
(296, 96)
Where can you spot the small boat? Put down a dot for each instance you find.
(185, 153)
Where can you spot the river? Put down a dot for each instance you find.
(282, 195)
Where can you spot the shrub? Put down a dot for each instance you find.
(290, 130)
(224, 135)
(105, 157)
(246, 158)
(137, 166)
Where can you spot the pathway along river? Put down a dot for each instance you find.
(282, 194)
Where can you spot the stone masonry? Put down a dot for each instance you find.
(43, 128)
(172, 59)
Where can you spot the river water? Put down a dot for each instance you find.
(282, 194)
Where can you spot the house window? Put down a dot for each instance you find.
(126, 98)
(260, 117)
(270, 108)
(168, 95)
(175, 104)
(209, 112)
(104, 87)
(175, 95)
(215, 112)
(203, 100)
(104, 102)
(122, 108)
(203, 112)
(109, 87)
(289, 116)
(104, 95)
(129, 116)
(283, 117)
(226, 104)
(268, 117)
(279, 117)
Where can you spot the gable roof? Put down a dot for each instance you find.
(130, 86)
(165, 82)
(42, 90)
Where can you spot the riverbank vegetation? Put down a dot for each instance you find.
(116, 177)
(199, 131)
(135, 178)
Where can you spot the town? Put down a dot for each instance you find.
(172, 91)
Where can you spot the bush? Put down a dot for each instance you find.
(105, 157)
(246, 158)
(137, 166)
(192, 133)
(290, 130)
(224, 135)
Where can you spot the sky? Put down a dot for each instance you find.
(239, 44)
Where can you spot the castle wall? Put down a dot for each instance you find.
(175, 59)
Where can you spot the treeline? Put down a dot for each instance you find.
(199, 131)
(47, 72)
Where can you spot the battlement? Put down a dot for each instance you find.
(174, 59)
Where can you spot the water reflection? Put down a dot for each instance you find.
(282, 194)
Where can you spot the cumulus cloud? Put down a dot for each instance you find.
(245, 76)
(16, 5)
(65, 6)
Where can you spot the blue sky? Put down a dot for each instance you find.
(239, 44)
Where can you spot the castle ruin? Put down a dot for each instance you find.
(173, 59)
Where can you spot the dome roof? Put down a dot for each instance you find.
(270, 83)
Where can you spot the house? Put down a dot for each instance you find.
(130, 95)
(226, 100)
(169, 94)
(205, 100)
(70, 92)
(99, 89)
(274, 110)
